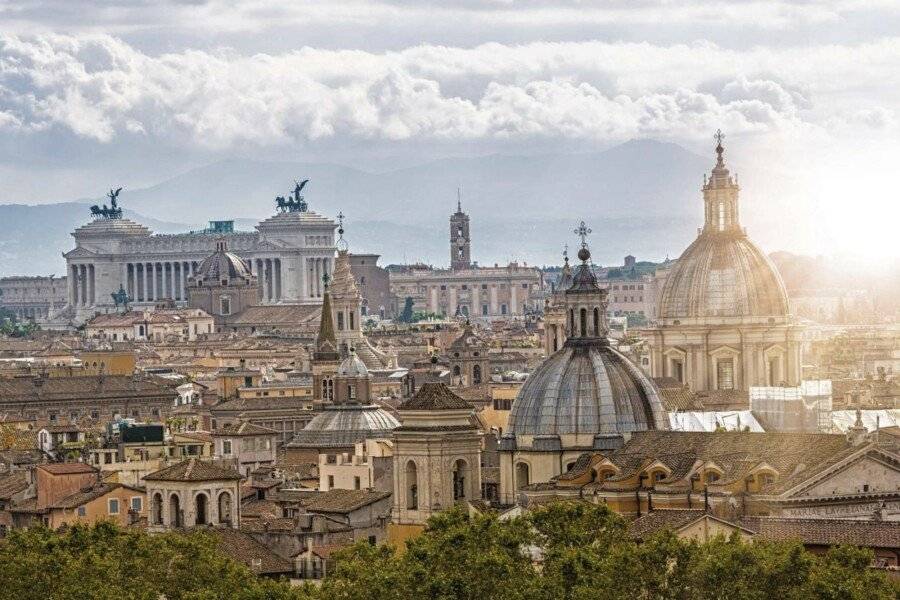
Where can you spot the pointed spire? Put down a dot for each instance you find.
(458, 200)
(326, 341)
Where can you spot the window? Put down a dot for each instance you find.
(225, 305)
(113, 506)
(484, 286)
(502, 309)
(226, 447)
(352, 324)
(82, 511)
(524, 286)
(137, 504)
(725, 373)
(330, 481)
(357, 484)
(351, 392)
(484, 309)
(340, 321)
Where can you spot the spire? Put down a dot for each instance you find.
(458, 200)
(586, 302)
(720, 150)
(341, 243)
(326, 342)
(344, 285)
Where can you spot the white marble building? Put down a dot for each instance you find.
(289, 253)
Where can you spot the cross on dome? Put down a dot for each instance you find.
(341, 243)
(583, 231)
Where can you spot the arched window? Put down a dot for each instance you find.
(596, 322)
(156, 509)
(352, 323)
(412, 486)
(200, 517)
(225, 508)
(721, 216)
(476, 374)
(583, 322)
(340, 321)
(456, 371)
(175, 511)
(521, 475)
(460, 479)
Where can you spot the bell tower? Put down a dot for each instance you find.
(720, 196)
(460, 240)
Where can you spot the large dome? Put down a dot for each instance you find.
(343, 425)
(586, 388)
(222, 265)
(723, 274)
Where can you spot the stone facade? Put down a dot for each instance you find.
(466, 289)
(288, 254)
(33, 297)
(374, 284)
(194, 493)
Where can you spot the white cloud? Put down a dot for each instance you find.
(99, 87)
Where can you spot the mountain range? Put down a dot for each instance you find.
(641, 198)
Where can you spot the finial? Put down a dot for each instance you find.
(458, 200)
(341, 243)
(719, 149)
(566, 253)
(584, 254)
(325, 279)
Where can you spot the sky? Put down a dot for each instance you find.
(807, 92)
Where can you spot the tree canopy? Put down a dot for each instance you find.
(567, 550)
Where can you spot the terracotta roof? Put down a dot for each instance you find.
(194, 469)
(38, 389)
(676, 396)
(263, 403)
(277, 315)
(657, 520)
(279, 524)
(266, 509)
(11, 484)
(82, 497)
(243, 429)
(342, 501)
(67, 468)
(435, 396)
(243, 548)
(826, 532)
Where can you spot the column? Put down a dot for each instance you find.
(72, 284)
(317, 277)
(452, 307)
(513, 298)
(82, 283)
(303, 277)
(154, 281)
(92, 300)
(476, 300)
(147, 289)
(494, 309)
(260, 280)
(278, 282)
(433, 301)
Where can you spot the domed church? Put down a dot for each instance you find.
(723, 319)
(586, 396)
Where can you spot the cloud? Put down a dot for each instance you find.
(101, 88)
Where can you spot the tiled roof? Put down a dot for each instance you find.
(265, 509)
(676, 396)
(826, 532)
(263, 403)
(82, 497)
(11, 484)
(342, 501)
(280, 524)
(194, 470)
(32, 389)
(243, 548)
(67, 468)
(657, 520)
(277, 315)
(435, 396)
(242, 429)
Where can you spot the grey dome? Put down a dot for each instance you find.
(723, 275)
(344, 425)
(353, 366)
(222, 265)
(586, 388)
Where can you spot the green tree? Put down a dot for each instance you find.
(105, 561)
(407, 313)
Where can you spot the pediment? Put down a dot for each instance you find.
(79, 252)
(271, 245)
(868, 472)
(725, 350)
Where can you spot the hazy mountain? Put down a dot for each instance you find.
(641, 197)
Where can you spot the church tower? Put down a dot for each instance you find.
(460, 240)
(325, 357)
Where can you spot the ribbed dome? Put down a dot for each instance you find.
(586, 388)
(353, 366)
(723, 274)
(222, 265)
(345, 425)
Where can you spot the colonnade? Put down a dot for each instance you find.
(154, 281)
(82, 285)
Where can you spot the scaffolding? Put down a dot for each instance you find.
(806, 408)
